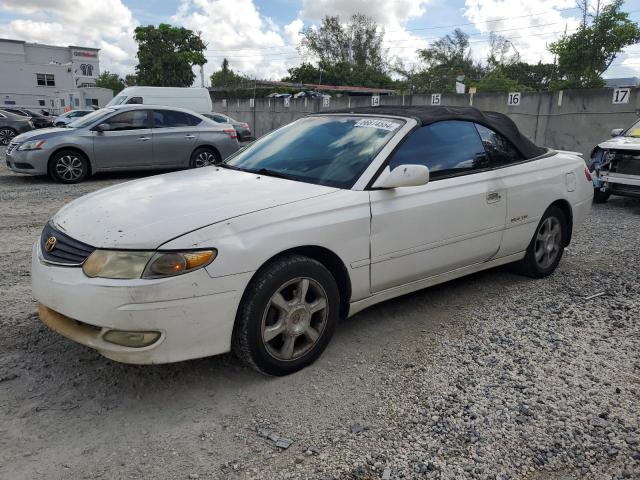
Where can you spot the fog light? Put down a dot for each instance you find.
(131, 339)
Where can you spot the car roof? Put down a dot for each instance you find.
(428, 114)
(147, 106)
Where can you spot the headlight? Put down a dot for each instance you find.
(32, 145)
(120, 264)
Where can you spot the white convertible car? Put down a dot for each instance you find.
(324, 217)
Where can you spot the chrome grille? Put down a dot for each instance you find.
(12, 146)
(66, 251)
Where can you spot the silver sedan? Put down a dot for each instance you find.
(128, 137)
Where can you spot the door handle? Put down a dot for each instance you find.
(493, 196)
(190, 137)
(143, 139)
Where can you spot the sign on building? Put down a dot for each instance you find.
(514, 99)
(326, 101)
(436, 98)
(224, 103)
(287, 101)
(375, 100)
(621, 95)
(252, 102)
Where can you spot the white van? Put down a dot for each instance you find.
(196, 99)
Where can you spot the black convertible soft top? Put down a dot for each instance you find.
(428, 114)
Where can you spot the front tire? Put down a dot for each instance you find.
(547, 245)
(203, 157)
(68, 166)
(287, 315)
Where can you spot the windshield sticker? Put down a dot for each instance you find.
(379, 124)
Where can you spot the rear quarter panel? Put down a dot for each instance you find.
(533, 186)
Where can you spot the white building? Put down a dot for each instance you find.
(50, 77)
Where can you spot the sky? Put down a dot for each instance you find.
(259, 37)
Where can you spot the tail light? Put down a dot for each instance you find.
(231, 132)
(245, 125)
(588, 175)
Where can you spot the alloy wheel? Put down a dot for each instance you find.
(69, 168)
(294, 319)
(6, 135)
(548, 242)
(204, 159)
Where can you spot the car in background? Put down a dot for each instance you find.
(242, 128)
(310, 94)
(123, 137)
(615, 165)
(38, 119)
(67, 117)
(315, 221)
(195, 99)
(279, 95)
(12, 125)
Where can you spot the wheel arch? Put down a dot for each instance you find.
(331, 261)
(565, 206)
(206, 145)
(73, 149)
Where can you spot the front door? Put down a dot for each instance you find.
(127, 142)
(456, 220)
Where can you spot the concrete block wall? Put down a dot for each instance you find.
(569, 120)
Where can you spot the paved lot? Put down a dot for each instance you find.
(491, 376)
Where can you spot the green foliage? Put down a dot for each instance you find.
(111, 81)
(584, 56)
(130, 80)
(227, 78)
(531, 76)
(166, 55)
(497, 81)
(350, 54)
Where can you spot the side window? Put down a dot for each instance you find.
(220, 119)
(173, 118)
(135, 101)
(131, 120)
(448, 148)
(500, 150)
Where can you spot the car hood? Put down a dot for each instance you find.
(42, 133)
(146, 213)
(621, 143)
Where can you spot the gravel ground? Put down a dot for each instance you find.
(491, 376)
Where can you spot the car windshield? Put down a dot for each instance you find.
(634, 131)
(325, 150)
(89, 118)
(117, 100)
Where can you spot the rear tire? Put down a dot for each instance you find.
(287, 315)
(68, 166)
(203, 157)
(599, 196)
(6, 135)
(547, 245)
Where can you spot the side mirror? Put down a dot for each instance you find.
(403, 176)
(616, 132)
(103, 127)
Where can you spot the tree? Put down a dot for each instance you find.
(447, 59)
(227, 78)
(501, 52)
(167, 54)
(111, 81)
(130, 80)
(348, 54)
(585, 55)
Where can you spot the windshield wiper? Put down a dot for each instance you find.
(273, 173)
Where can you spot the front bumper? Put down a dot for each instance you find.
(32, 162)
(194, 313)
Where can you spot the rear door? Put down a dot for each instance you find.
(175, 136)
(456, 220)
(127, 143)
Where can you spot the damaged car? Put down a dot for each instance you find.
(263, 253)
(615, 165)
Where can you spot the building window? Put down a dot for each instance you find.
(45, 80)
(76, 102)
(89, 102)
(86, 69)
(9, 102)
(41, 103)
(62, 102)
